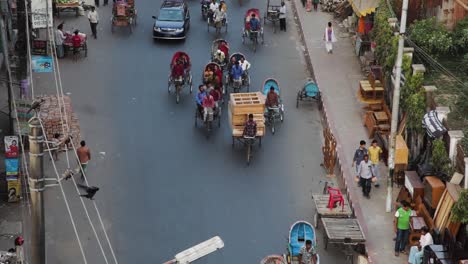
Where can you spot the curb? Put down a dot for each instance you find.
(326, 122)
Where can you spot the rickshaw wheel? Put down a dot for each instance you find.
(281, 116)
(248, 81)
(85, 47)
(177, 97)
(273, 127)
(196, 116)
(130, 27)
(169, 85)
(219, 119)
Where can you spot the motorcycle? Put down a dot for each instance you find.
(205, 7)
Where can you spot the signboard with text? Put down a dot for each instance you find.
(40, 11)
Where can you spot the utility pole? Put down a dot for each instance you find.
(8, 68)
(37, 186)
(396, 105)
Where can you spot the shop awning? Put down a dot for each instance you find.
(364, 7)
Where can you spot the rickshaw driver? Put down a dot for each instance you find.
(199, 98)
(236, 72)
(250, 127)
(213, 7)
(272, 99)
(244, 64)
(254, 23)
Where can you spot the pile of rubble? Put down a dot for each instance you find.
(50, 115)
(331, 5)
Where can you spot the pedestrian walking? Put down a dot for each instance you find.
(315, 3)
(93, 18)
(96, 3)
(59, 38)
(365, 176)
(329, 38)
(359, 154)
(401, 227)
(374, 156)
(84, 156)
(308, 253)
(282, 16)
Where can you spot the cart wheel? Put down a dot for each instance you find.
(297, 101)
(233, 139)
(260, 142)
(325, 239)
(316, 220)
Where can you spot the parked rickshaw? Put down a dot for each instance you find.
(299, 233)
(237, 86)
(211, 21)
(273, 113)
(272, 14)
(252, 35)
(68, 44)
(186, 80)
(310, 92)
(124, 14)
(220, 45)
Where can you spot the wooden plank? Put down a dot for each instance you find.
(338, 229)
(321, 205)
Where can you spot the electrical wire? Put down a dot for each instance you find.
(64, 121)
(63, 193)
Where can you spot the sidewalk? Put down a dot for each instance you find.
(337, 75)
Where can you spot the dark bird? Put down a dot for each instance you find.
(90, 191)
(35, 105)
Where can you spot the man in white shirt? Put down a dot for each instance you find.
(244, 64)
(93, 18)
(213, 7)
(365, 175)
(282, 16)
(417, 252)
(59, 38)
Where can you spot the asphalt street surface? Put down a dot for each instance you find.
(164, 186)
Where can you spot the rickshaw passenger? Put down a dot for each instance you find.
(219, 56)
(254, 23)
(216, 93)
(218, 75)
(250, 127)
(213, 7)
(244, 64)
(237, 72)
(224, 48)
(178, 70)
(272, 99)
(208, 75)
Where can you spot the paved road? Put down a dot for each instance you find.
(164, 186)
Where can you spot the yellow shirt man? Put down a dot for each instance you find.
(374, 153)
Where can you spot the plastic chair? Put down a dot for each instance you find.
(335, 196)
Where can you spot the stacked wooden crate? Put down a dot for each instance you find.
(243, 104)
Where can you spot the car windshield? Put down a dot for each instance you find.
(171, 15)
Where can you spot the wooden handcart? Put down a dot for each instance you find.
(346, 232)
(66, 6)
(322, 210)
(240, 106)
(124, 14)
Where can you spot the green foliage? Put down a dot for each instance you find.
(415, 109)
(440, 161)
(464, 64)
(412, 86)
(382, 33)
(464, 142)
(392, 53)
(460, 37)
(460, 208)
(431, 36)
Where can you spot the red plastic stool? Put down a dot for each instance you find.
(335, 196)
